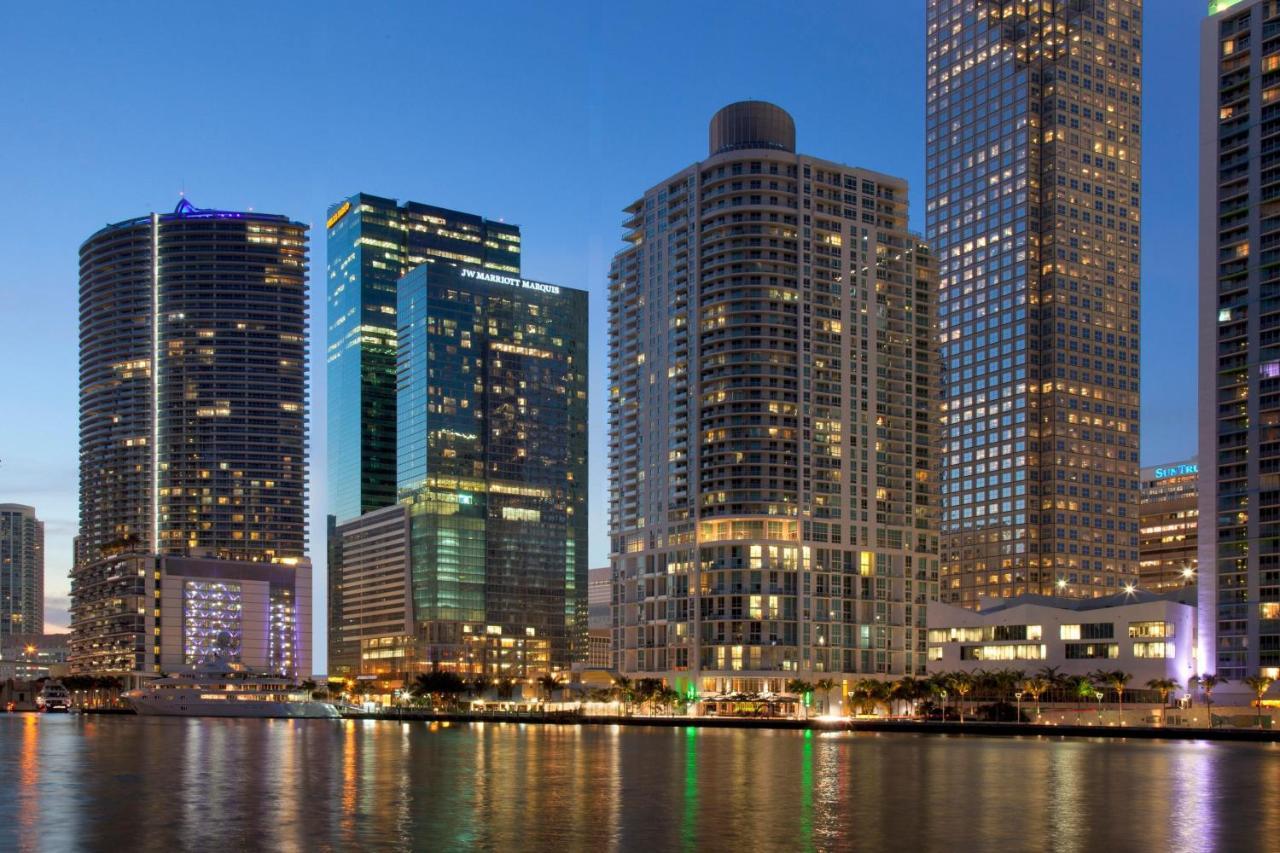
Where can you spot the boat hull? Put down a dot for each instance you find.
(177, 707)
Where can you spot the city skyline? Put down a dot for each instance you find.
(570, 233)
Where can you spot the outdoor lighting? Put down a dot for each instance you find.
(1062, 583)
(1130, 589)
(1188, 572)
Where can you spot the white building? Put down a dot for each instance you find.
(1147, 635)
(137, 615)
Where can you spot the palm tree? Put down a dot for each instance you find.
(907, 690)
(1206, 682)
(667, 698)
(825, 686)
(549, 684)
(800, 688)
(962, 683)
(1036, 687)
(442, 686)
(1117, 680)
(625, 692)
(1259, 684)
(1164, 686)
(646, 689)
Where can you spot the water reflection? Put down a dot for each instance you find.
(155, 784)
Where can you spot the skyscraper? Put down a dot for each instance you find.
(771, 423)
(21, 571)
(1239, 342)
(492, 460)
(372, 242)
(193, 446)
(1033, 114)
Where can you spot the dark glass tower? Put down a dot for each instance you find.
(372, 242)
(492, 425)
(1033, 164)
(193, 386)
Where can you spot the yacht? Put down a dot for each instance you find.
(54, 697)
(218, 688)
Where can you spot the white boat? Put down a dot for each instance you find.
(53, 697)
(221, 689)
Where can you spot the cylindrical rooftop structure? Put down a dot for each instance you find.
(752, 124)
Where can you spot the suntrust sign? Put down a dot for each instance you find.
(510, 281)
(1177, 471)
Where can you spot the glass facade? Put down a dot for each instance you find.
(372, 242)
(1033, 113)
(492, 451)
(212, 621)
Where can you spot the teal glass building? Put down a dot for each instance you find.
(372, 242)
(492, 457)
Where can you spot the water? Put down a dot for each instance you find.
(128, 783)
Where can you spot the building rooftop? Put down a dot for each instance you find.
(1184, 595)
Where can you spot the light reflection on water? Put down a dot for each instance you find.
(129, 783)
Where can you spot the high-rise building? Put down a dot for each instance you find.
(1170, 513)
(21, 571)
(1033, 142)
(492, 461)
(772, 372)
(372, 242)
(1239, 341)
(193, 431)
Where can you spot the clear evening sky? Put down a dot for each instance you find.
(553, 116)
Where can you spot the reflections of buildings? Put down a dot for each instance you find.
(29, 784)
(300, 785)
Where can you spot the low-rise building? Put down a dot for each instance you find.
(1148, 635)
(32, 656)
(136, 615)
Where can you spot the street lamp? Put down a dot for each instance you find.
(1018, 695)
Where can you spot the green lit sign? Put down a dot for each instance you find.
(1216, 6)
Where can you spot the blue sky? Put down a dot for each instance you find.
(553, 116)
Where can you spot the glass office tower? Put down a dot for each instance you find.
(492, 459)
(771, 420)
(372, 242)
(1033, 111)
(1239, 564)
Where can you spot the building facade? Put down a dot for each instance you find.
(1170, 513)
(1033, 142)
(21, 571)
(27, 657)
(371, 628)
(193, 416)
(492, 462)
(1147, 635)
(600, 598)
(1239, 565)
(772, 371)
(372, 242)
(136, 615)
